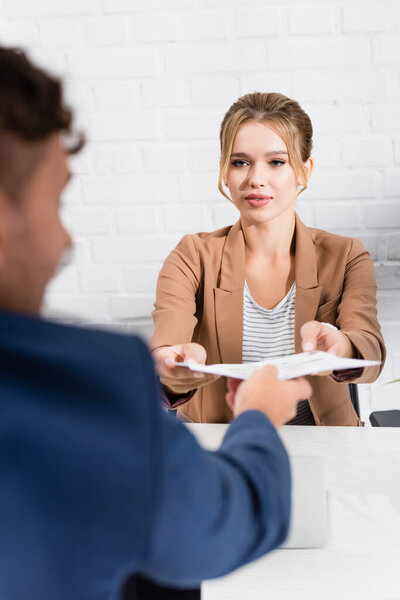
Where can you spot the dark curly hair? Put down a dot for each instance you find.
(31, 109)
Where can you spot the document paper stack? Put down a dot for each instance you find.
(289, 367)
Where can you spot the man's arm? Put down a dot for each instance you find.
(216, 511)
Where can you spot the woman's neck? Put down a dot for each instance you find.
(272, 240)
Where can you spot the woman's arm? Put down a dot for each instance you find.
(174, 313)
(174, 322)
(358, 332)
(357, 312)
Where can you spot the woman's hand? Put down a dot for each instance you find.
(322, 336)
(178, 379)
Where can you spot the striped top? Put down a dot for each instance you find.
(270, 332)
(267, 332)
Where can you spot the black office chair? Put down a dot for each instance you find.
(354, 398)
(385, 418)
(378, 418)
(138, 587)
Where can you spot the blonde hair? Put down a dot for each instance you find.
(283, 115)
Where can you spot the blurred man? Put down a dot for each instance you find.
(97, 482)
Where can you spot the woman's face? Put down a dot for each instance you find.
(260, 179)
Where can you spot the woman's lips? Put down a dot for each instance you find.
(257, 200)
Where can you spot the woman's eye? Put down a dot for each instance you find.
(239, 163)
(277, 163)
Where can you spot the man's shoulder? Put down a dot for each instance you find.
(80, 407)
(114, 353)
(98, 336)
(88, 355)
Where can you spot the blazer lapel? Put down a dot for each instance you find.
(308, 292)
(228, 297)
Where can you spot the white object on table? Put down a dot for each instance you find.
(309, 519)
(362, 558)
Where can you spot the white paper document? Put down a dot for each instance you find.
(289, 367)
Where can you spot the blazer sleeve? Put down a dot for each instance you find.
(174, 313)
(217, 510)
(357, 312)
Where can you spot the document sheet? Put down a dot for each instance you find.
(289, 367)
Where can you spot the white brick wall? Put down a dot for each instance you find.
(365, 16)
(319, 52)
(258, 22)
(314, 18)
(151, 81)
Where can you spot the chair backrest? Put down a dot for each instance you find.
(354, 398)
(138, 587)
(385, 418)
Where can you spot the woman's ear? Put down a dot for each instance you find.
(309, 165)
(224, 181)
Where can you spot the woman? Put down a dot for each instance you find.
(268, 285)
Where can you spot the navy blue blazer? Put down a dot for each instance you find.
(97, 482)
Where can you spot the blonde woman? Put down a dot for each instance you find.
(268, 285)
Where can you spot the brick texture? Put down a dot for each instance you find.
(150, 83)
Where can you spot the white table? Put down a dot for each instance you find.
(362, 557)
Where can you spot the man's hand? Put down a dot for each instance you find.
(265, 392)
(325, 337)
(178, 379)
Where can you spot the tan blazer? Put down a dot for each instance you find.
(200, 299)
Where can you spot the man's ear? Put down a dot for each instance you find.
(5, 225)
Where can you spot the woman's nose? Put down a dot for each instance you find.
(257, 176)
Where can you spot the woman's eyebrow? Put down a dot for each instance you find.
(272, 153)
(275, 152)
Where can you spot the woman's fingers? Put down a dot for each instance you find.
(309, 335)
(232, 385)
(194, 352)
(167, 357)
(322, 336)
(319, 336)
(177, 378)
